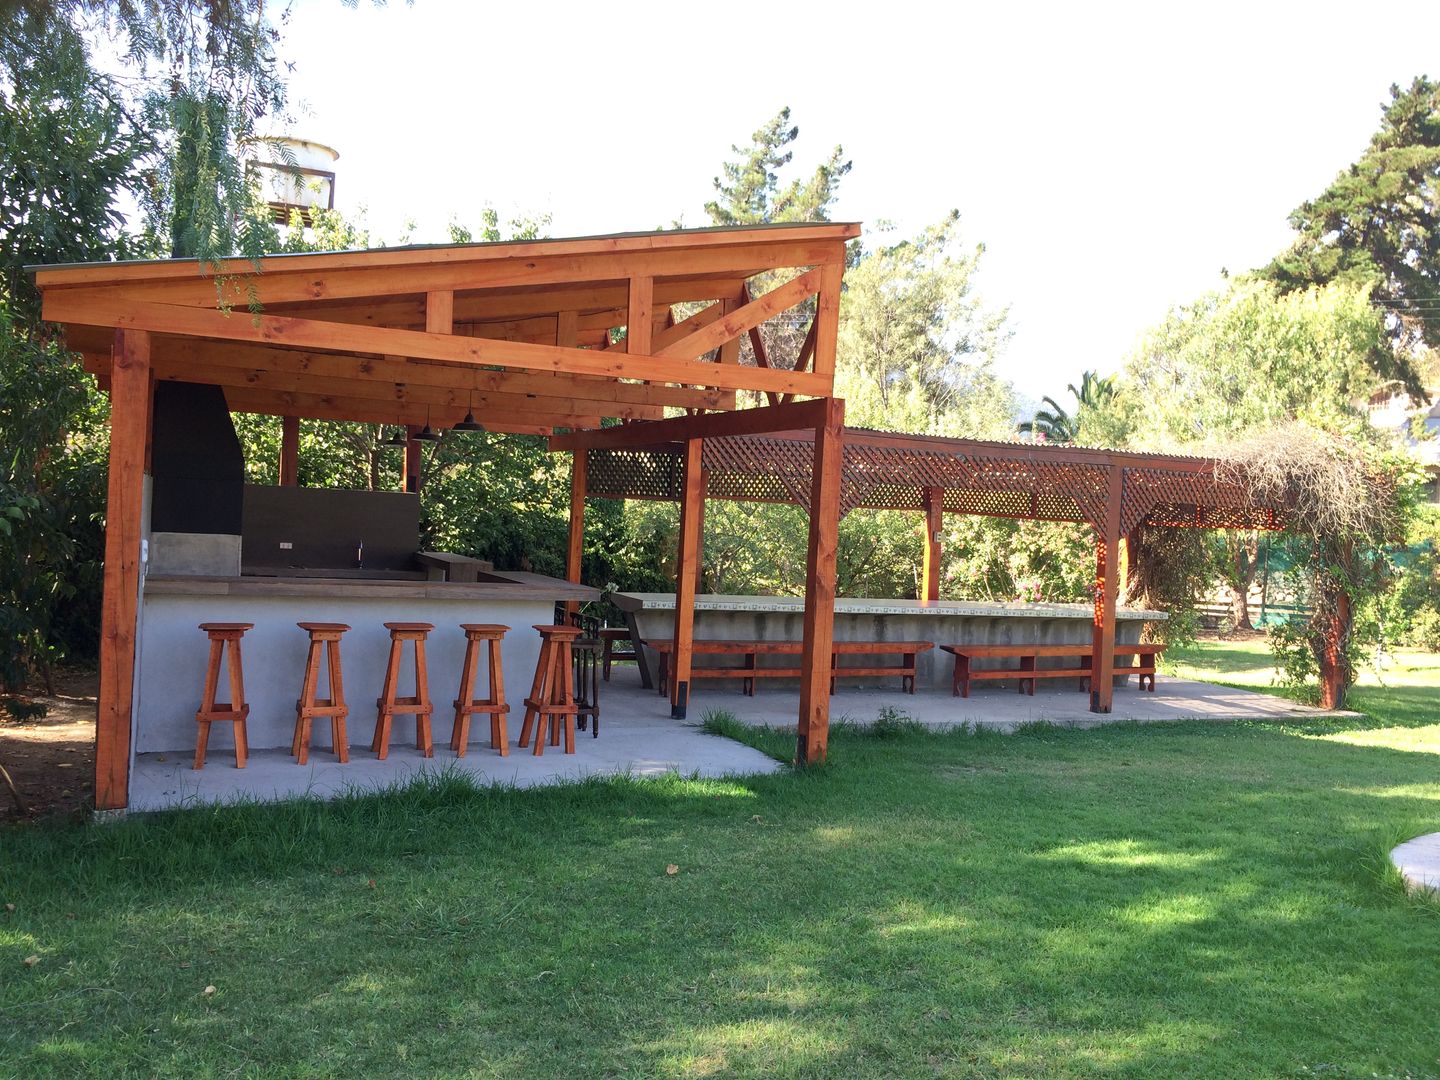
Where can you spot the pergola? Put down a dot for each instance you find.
(830, 472)
(529, 336)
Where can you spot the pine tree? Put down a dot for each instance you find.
(750, 193)
(1378, 225)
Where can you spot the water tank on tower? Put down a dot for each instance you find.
(294, 175)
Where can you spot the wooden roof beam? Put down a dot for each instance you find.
(313, 334)
(279, 283)
(465, 377)
(794, 416)
(403, 392)
(745, 318)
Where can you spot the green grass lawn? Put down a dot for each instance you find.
(1174, 900)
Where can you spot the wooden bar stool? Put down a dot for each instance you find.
(551, 704)
(466, 704)
(323, 637)
(419, 704)
(237, 710)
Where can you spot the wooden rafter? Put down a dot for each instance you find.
(610, 396)
(317, 334)
(745, 318)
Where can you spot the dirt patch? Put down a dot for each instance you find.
(52, 760)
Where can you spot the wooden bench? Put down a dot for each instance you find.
(749, 650)
(1027, 673)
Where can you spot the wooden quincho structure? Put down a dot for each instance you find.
(557, 337)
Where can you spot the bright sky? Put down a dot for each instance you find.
(1112, 158)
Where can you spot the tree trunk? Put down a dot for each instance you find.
(1243, 565)
(1333, 656)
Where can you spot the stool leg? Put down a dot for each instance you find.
(567, 697)
(460, 730)
(202, 738)
(546, 731)
(300, 744)
(237, 703)
(339, 738)
(380, 744)
(207, 702)
(542, 673)
(499, 737)
(423, 742)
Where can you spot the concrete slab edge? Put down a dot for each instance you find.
(1418, 861)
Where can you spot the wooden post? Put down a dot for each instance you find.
(412, 460)
(640, 319)
(700, 531)
(934, 522)
(130, 397)
(692, 496)
(1107, 557)
(1125, 568)
(579, 460)
(814, 726)
(289, 450)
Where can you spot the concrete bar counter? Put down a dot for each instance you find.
(944, 622)
(172, 651)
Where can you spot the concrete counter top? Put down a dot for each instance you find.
(507, 585)
(635, 602)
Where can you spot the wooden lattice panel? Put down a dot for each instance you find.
(632, 474)
(778, 470)
(1194, 500)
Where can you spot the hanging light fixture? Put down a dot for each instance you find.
(469, 423)
(427, 433)
(397, 438)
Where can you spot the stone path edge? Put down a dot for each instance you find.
(1418, 861)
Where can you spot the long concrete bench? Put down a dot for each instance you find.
(749, 650)
(1028, 672)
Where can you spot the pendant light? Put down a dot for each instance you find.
(427, 433)
(469, 423)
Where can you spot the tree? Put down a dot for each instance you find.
(750, 193)
(1348, 503)
(1247, 357)
(1055, 424)
(67, 156)
(917, 342)
(1377, 227)
(1051, 424)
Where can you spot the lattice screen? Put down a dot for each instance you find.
(767, 469)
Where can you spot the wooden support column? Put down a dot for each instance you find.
(1126, 568)
(640, 319)
(130, 397)
(934, 522)
(576, 550)
(1107, 559)
(289, 450)
(827, 320)
(412, 459)
(814, 726)
(691, 508)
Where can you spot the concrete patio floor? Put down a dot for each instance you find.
(638, 737)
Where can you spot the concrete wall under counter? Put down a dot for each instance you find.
(933, 668)
(173, 655)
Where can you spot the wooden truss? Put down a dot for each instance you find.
(530, 337)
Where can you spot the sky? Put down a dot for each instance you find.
(1113, 159)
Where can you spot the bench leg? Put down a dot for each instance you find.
(1027, 663)
(641, 661)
